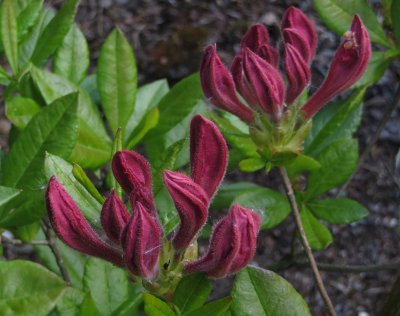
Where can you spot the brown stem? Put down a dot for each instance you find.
(304, 241)
(56, 251)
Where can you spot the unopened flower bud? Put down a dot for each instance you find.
(255, 37)
(293, 37)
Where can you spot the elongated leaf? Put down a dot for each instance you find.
(153, 306)
(271, 205)
(318, 236)
(214, 308)
(261, 292)
(395, 13)
(229, 191)
(54, 129)
(9, 33)
(192, 292)
(166, 210)
(28, 16)
(149, 122)
(338, 211)
(89, 206)
(338, 162)
(72, 57)
(94, 146)
(117, 80)
(54, 33)
(4, 77)
(7, 194)
(20, 111)
(26, 288)
(338, 14)
(83, 179)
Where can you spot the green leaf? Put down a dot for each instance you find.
(9, 34)
(261, 292)
(149, 122)
(28, 16)
(177, 104)
(228, 192)
(72, 57)
(338, 211)
(117, 80)
(54, 129)
(338, 14)
(108, 285)
(93, 148)
(214, 308)
(251, 164)
(130, 307)
(28, 232)
(338, 162)
(89, 206)
(271, 205)
(26, 288)
(318, 236)
(166, 210)
(301, 164)
(20, 111)
(337, 120)
(83, 179)
(88, 307)
(68, 305)
(395, 13)
(148, 97)
(192, 292)
(4, 77)
(156, 307)
(7, 194)
(54, 33)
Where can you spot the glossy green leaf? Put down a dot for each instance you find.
(117, 80)
(166, 210)
(70, 303)
(148, 123)
(7, 194)
(89, 206)
(93, 148)
(28, 232)
(338, 162)
(20, 111)
(108, 285)
(54, 33)
(83, 179)
(318, 236)
(337, 120)
(228, 192)
(301, 164)
(271, 205)
(148, 97)
(27, 288)
(9, 33)
(261, 292)
(130, 307)
(72, 57)
(54, 129)
(192, 292)
(251, 164)
(153, 306)
(395, 13)
(214, 308)
(28, 16)
(338, 14)
(88, 307)
(338, 211)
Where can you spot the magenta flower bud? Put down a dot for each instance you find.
(294, 38)
(294, 19)
(348, 65)
(232, 244)
(255, 37)
(72, 228)
(191, 203)
(265, 83)
(297, 72)
(208, 154)
(269, 54)
(114, 217)
(218, 86)
(141, 242)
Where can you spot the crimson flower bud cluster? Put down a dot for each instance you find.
(136, 239)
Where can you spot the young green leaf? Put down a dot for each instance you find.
(214, 308)
(261, 292)
(117, 80)
(395, 13)
(129, 307)
(192, 292)
(27, 288)
(28, 16)
(338, 211)
(318, 236)
(28, 232)
(69, 304)
(83, 179)
(338, 14)
(72, 57)
(9, 34)
(166, 210)
(20, 111)
(7, 194)
(54, 33)
(228, 192)
(153, 306)
(88, 307)
(54, 129)
(251, 164)
(150, 121)
(301, 163)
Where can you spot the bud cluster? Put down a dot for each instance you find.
(136, 240)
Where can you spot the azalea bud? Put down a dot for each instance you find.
(265, 83)
(297, 21)
(269, 54)
(255, 37)
(294, 38)
(297, 72)
(348, 65)
(114, 217)
(141, 242)
(191, 203)
(232, 244)
(218, 86)
(208, 154)
(72, 228)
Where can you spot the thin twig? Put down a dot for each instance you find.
(21, 242)
(307, 248)
(388, 113)
(56, 251)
